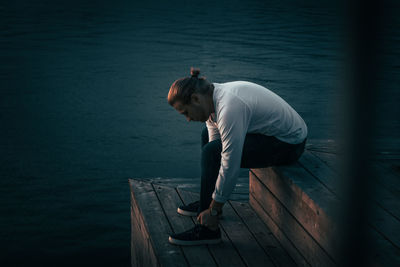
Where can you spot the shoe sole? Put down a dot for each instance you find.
(193, 243)
(187, 213)
(191, 213)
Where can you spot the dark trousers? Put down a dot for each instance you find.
(259, 151)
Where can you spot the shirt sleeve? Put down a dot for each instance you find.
(233, 121)
(213, 132)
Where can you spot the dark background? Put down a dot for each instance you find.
(83, 104)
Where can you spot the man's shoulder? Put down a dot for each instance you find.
(234, 84)
(240, 89)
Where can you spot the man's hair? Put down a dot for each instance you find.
(182, 89)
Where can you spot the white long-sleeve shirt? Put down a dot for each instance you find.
(244, 107)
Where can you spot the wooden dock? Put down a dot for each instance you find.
(288, 220)
(245, 239)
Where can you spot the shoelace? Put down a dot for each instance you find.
(197, 229)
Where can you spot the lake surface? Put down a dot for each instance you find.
(83, 105)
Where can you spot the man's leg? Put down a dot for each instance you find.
(204, 137)
(259, 151)
(210, 164)
(210, 161)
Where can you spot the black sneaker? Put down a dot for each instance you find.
(189, 210)
(198, 235)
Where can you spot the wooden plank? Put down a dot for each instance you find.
(262, 234)
(330, 178)
(384, 174)
(385, 208)
(195, 255)
(282, 216)
(224, 253)
(278, 233)
(386, 191)
(247, 246)
(321, 171)
(142, 252)
(324, 145)
(388, 202)
(314, 207)
(148, 209)
(302, 183)
(385, 253)
(386, 224)
(329, 159)
(384, 202)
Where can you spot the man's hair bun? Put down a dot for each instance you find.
(183, 89)
(194, 72)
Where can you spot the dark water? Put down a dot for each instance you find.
(83, 105)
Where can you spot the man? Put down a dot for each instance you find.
(247, 126)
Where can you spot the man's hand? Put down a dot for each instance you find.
(205, 217)
(207, 220)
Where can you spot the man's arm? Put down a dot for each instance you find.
(233, 128)
(233, 123)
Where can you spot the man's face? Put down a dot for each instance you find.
(193, 111)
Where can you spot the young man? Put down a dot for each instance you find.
(248, 126)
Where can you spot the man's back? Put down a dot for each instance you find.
(265, 112)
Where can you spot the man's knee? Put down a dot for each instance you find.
(212, 150)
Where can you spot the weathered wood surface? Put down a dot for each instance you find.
(291, 220)
(262, 234)
(225, 254)
(384, 222)
(279, 209)
(384, 149)
(290, 247)
(307, 195)
(246, 241)
(150, 237)
(312, 207)
(385, 209)
(247, 246)
(195, 255)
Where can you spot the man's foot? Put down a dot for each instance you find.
(198, 235)
(190, 209)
